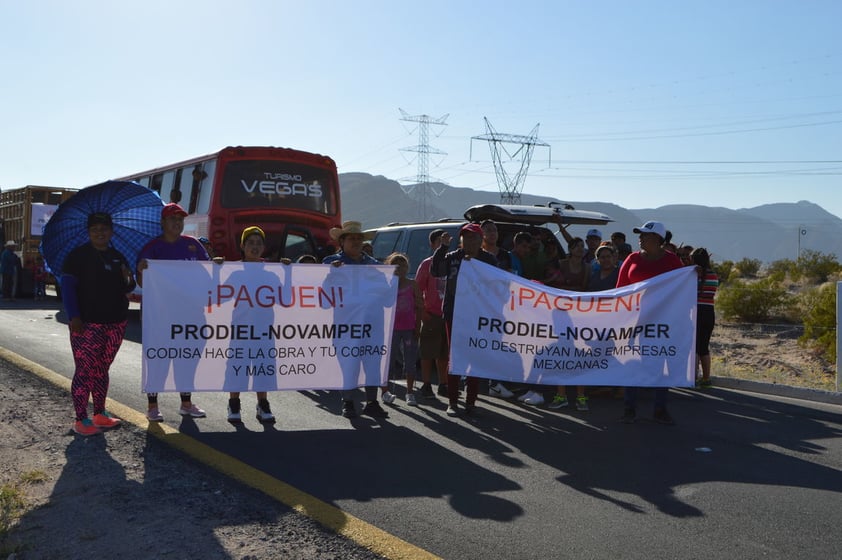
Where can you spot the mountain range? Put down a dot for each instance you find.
(769, 232)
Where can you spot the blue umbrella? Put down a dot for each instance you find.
(134, 209)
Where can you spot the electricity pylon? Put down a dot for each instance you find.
(510, 185)
(421, 189)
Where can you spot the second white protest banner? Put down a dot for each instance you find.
(512, 329)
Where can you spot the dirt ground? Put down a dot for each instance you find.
(130, 496)
(771, 354)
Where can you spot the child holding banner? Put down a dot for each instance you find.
(408, 310)
(252, 244)
(650, 261)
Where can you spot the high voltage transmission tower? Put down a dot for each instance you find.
(510, 185)
(421, 189)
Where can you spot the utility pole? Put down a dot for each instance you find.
(510, 185)
(421, 189)
(801, 232)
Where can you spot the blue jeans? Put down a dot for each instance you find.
(630, 398)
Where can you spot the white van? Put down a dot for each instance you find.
(412, 239)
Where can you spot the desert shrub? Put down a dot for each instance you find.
(817, 266)
(723, 270)
(819, 306)
(783, 268)
(11, 506)
(752, 302)
(748, 268)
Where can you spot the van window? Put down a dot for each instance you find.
(385, 243)
(418, 247)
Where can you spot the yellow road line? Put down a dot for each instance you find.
(338, 521)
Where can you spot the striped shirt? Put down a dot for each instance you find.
(707, 287)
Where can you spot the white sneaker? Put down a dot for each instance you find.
(499, 390)
(234, 415)
(264, 413)
(410, 399)
(536, 399)
(192, 411)
(451, 411)
(388, 397)
(525, 396)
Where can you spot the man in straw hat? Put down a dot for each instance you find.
(351, 238)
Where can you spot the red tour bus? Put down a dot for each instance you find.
(292, 195)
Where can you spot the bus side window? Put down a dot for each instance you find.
(185, 188)
(143, 181)
(157, 180)
(196, 177)
(176, 193)
(167, 186)
(205, 190)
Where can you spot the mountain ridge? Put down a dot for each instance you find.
(768, 232)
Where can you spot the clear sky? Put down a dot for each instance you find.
(733, 103)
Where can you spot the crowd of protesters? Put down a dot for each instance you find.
(424, 308)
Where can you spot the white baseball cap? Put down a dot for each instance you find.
(652, 227)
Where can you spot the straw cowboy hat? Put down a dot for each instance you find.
(349, 227)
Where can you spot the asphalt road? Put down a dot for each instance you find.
(741, 475)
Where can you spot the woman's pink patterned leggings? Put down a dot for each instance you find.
(93, 351)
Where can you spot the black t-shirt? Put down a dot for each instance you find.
(100, 289)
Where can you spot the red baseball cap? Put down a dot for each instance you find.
(173, 209)
(471, 228)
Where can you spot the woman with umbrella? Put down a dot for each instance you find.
(95, 280)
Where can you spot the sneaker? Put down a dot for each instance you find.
(537, 399)
(105, 420)
(263, 412)
(661, 416)
(427, 391)
(411, 400)
(234, 415)
(525, 396)
(388, 397)
(471, 410)
(442, 391)
(85, 428)
(191, 410)
(498, 390)
(348, 409)
(629, 414)
(374, 410)
(154, 415)
(582, 403)
(451, 410)
(559, 401)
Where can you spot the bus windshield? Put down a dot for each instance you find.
(277, 184)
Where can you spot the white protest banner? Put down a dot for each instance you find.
(265, 326)
(512, 329)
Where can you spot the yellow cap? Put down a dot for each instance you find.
(249, 231)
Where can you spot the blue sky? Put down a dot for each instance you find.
(643, 103)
